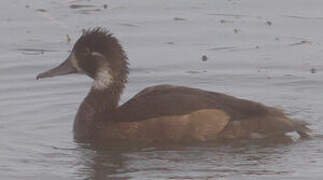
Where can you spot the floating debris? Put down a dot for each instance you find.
(277, 38)
(269, 23)
(236, 31)
(179, 19)
(78, 6)
(27, 6)
(313, 70)
(204, 58)
(257, 47)
(41, 10)
(68, 38)
(300, 43)
(128, 25)
(105, 6)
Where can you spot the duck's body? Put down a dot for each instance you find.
(159, 114)
(174, 114)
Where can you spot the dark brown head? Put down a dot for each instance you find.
(97, 54)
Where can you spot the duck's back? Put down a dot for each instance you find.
(168, 100)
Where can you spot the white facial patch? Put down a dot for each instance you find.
(75, 64)
(103, 79)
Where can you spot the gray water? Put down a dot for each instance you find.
(266, 51)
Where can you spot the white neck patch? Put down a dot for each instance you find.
(102, 80)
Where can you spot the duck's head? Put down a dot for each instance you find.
(97, 54)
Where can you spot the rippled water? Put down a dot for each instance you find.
(267, 51)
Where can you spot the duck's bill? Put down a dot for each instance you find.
(65, 68)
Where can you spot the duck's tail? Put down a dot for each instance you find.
(302, 128)
(289, 124)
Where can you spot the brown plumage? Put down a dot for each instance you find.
(159, 114)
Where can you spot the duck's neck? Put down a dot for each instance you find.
(97, 108)
(104, 101)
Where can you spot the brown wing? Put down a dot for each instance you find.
(166, 100)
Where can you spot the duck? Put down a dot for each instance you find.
(161, 114)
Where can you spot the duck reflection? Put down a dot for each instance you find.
(98, 162)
